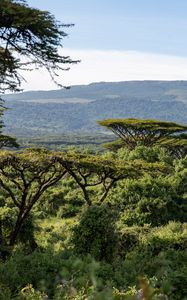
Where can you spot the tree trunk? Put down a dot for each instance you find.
(16, 230)
(86, 196)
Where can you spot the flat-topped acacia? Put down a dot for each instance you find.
(135, 132)
(176, 145)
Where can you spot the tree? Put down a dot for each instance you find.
(5, 140)
(29, 38)
(24, 178)
(134, 132)
(176, 145)
(96, 175)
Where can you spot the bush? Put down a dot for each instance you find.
(161, 256)
(151, 200)
(130, 237)
(96, 233)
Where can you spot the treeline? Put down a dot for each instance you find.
(93, 142)
(32, 119)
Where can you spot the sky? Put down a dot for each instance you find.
(119, 40)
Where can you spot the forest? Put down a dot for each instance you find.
(92, 222)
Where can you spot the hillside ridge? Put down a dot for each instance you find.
(76, 110)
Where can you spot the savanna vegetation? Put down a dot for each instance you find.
(83, 224)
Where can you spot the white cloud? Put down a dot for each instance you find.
(99, 65)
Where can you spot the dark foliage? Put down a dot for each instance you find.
(96, 233)
(29, 38)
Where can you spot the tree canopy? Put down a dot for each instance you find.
(29, 38)
(5, 140)
(134, 132)
(24, 178)
(176, 145)
(91, 171)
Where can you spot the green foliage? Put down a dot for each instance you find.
(63, 200)
(139, 252)
(24, 178)
(96, 233)
(147, 154)
(103, 171)
(5, 140)
(153, 126)
(135, 132)
(129, 237)
(60, 276)
(29, 39)
(176, 145)
(153, 199)
(5, 292)
(29, 293)
(26, 234)
(143, 186)
(161, 255)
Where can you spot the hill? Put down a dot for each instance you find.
(39, 113)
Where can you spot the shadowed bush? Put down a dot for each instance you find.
(96, 233)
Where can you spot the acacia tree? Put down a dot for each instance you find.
(96, 175)
(29, 38)
(24, 178)
(134, 132)
(176, 145)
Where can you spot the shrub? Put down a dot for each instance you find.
(96, 233)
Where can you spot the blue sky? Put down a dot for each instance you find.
(158, 26)
(142, 27)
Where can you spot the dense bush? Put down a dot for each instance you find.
(129, 237)
(96, 233)
(151, 200)
(161, 256)
(148, 154)
(59, 275)
(157, 254)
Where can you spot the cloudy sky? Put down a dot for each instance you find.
(119, 40)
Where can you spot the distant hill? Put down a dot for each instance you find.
(37, 113)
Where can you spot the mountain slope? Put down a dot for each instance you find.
(76, 110)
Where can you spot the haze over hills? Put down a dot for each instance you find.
(76, 110)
